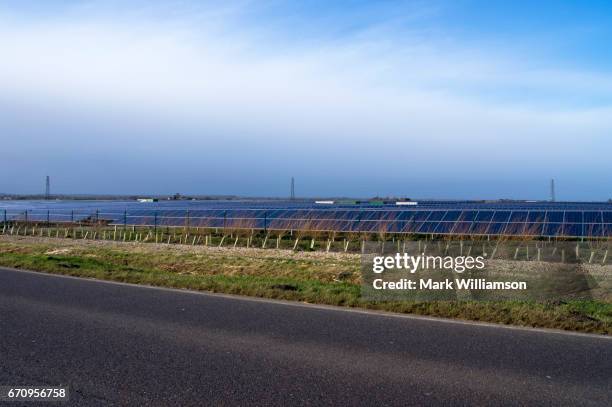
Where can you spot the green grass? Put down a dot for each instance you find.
(321, 279)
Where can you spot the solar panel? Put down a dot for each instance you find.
(573, 217)
(592, 230)
(454, 217)
(479, 228)
(515, 228)
(428, 227)
(462, 228)
(444, 227)
(592, 217)
(451, 216)
(501, 216)
(518, 216)
(554, 217)
(410, 227)
(496, 228)
(484, 216)
(436, 215)
(573, 229)
(536, 216)
(421, 215)
(552, 229)
(533, 229)
(468, 216)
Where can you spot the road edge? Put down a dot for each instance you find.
(324, 307)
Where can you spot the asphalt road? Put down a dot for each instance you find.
(116, 344)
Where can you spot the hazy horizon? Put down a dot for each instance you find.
(423, 99)
(62, 195)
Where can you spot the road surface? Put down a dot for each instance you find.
(116, 344)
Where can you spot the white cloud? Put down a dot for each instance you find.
(418, 95)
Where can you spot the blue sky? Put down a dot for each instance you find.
(427, 99)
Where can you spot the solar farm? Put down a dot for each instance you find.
(511, 219)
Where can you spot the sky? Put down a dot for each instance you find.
(459, 99)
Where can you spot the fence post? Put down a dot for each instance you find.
(26, 216)
(155, 224)
(97, 215)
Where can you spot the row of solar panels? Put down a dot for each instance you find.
(538, 216)
(542, 206)
(379, 226)
(474, 222)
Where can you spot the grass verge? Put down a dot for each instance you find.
(320, 278)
